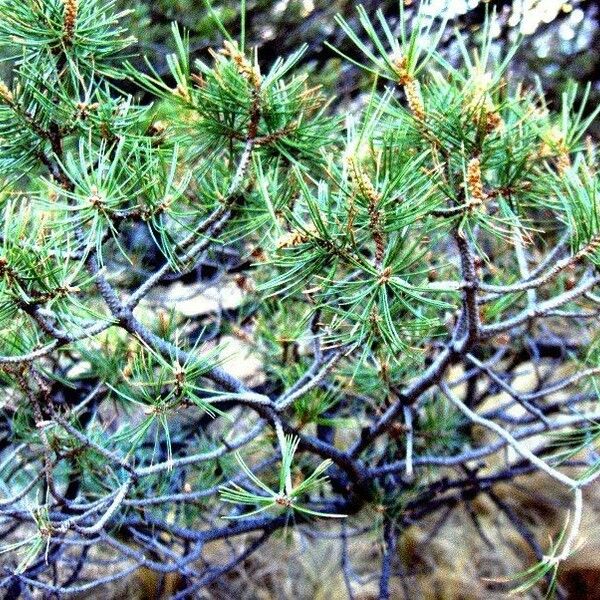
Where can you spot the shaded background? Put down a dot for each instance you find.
(559, 39)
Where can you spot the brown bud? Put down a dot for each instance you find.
(156, 129)
(243, 65)
(400, 64)
(95, 199)
(291, 240)
(413, 97)
(385, 275)
(244, 282)
(474, 182)
(5, 94)
(69, 19)
(362, 182)
(493, 122)
(84, 108)
(563, 161)
(258, 254)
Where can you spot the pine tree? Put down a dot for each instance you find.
(442, 233)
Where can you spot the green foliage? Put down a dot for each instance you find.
(374, 250)
(44, 31)
(288, 496)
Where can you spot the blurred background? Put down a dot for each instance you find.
(559, 40)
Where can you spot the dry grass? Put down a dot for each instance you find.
(455, 564)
